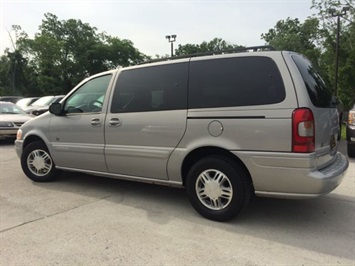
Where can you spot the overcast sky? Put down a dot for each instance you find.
(146, 23)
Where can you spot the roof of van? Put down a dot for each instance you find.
(228, 51)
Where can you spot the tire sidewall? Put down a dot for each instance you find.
(36, 145)
(237, 179)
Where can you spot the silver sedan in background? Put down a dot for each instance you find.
(12, 117)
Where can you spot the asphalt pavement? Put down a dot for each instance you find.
(88, 220)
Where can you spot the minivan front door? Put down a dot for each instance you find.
(77, 136)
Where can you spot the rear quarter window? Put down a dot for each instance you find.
(319, 93)
(239, 81)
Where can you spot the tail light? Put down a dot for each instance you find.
(303, 131)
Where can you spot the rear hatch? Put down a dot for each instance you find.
(323, 106)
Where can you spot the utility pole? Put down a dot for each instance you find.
(171, 39)
(336, 13)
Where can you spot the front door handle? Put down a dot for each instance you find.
(115, 122)
(96, 122)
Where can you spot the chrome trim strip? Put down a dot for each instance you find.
(281, 195)
(227, 117)
(138, 151)
(126, 177)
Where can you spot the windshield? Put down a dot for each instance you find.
(8, 108)
(46, 100)
(24, 102)
(319, 93)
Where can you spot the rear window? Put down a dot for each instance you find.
(239, 81)
(319, 93)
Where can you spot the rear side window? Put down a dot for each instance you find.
(237, 81)
(319, 93)
(151, 89)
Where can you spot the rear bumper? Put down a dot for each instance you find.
(297, 178)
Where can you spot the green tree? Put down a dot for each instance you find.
(187, 49)
(316, 38)
(346, 77)
(217, 44)
(292, 35)
(122, 53)
(13, 65)
(64, 52)
(5, 78)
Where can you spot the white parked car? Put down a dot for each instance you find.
(25, 102)
(41, 105)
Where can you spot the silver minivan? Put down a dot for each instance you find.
(225, 127)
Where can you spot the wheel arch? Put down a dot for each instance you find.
(32, 138)
(203, 152)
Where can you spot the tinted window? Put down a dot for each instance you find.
(235, 82)
(151, 89)
(319, 93)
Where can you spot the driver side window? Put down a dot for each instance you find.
(89, 97)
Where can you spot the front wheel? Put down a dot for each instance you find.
(218, 188)
(37, 163)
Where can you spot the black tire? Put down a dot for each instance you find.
(37, 163)
(228, 191)
(351, 150)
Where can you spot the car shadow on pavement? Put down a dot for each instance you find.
(323, 224)
(298, 223)
(155, 200)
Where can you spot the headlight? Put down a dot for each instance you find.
(6, 124)
(19, 134)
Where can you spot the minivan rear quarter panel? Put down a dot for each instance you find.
(254, 128)
(326, 116)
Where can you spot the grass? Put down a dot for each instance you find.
(343, 132)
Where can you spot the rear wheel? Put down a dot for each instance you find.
(218, 188)
(37, 163)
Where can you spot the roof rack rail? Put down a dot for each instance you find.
(227, 51)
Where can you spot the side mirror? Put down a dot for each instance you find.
(55, 108)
